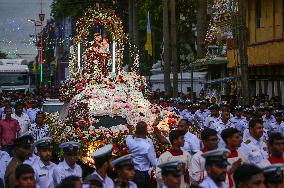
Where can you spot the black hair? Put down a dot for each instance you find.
(69, 182)
(96, 183)
(23, 169)
(207, 133)
(39, 113)
(229, 132)
(141, 128)
(275, 136)
(245, 172)
(186, 120)
(175, 134)
(254, 121)
(99, 162)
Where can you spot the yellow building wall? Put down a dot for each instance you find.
(265, 45)
(269, 53)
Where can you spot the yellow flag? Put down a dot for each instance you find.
(148, 45)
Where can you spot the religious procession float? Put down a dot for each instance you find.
(100, 93)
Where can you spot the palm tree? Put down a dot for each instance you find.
(174, 47)
(201, 27)
(167, 66)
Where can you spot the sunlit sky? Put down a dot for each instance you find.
(15, 30)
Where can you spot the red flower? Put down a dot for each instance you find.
(115, 148)
(171, 121)
(141, 88)
(120, 79)
(79, 87)
(127, 106)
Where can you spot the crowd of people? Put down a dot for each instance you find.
(236, 146)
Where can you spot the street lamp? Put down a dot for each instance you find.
(37, 24)
(41, 18)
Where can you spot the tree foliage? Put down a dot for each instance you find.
(3, 55)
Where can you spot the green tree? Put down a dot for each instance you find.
(3, 55)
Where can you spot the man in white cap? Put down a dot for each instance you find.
(43, 167)
(124, 168)
(171, 174)
(68, 167)
(103, 157)
(216, 166)
(274, 176)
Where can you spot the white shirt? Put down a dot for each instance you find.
(32, 113)
(281, 128)
(237, 121)
(4, 161)
(63, 170)
(197, 168)
(274, 127)
(201, 116)
(267, 121)
(244, 124)
(256, 151)
(44, 174)
(168, 157)
(210, 120)
(143, 152)
(190, 117)
(209, 183)
(107, 182)
(192, 143)
(24, 122)
(31, 160)
(184, 113)
(39, 132)
(219, 126)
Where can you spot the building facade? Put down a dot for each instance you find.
(265, 23)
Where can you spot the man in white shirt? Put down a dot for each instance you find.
(238, 117)
(216, 166)
(275, 126)
(124, 168)
(202, 114)
(254, 147)
(33, 111)
(223, 123)
(38, 129)
(214, 116)
(144, 155)
(171, 174)
(176, 153)
(103, 158)
(68, 167)
(192, 142)
(4, 161)
(22, 118)
(43, 167)
(268, 118)
(197, 164)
